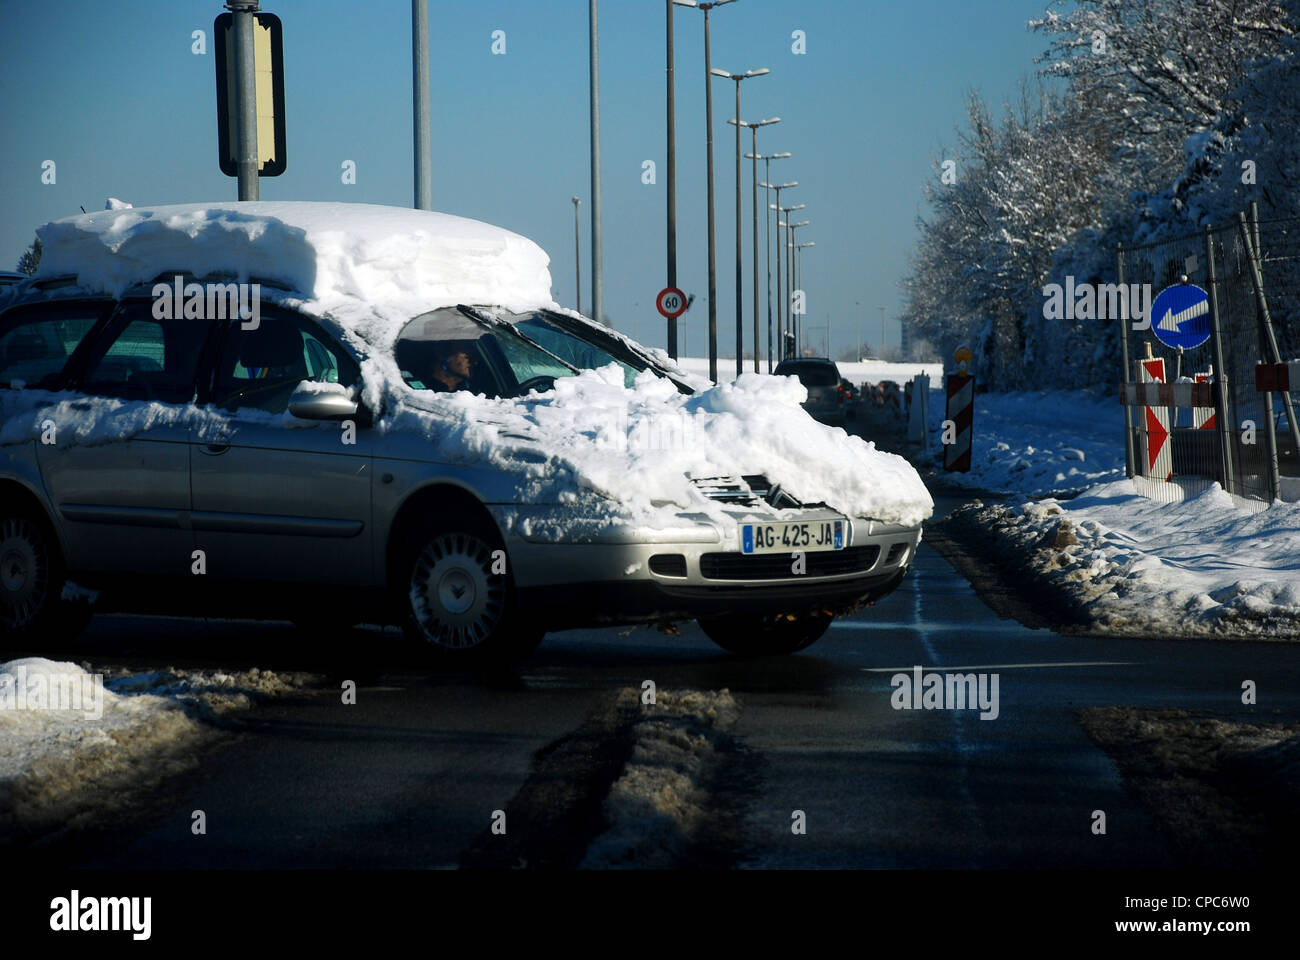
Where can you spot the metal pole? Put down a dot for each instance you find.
(1224, 421)
(597, 277)
(767, 240)
(244, 13)
(780, 311)
(789, 284)
(1130, 457)
(423, 135)
(740, 321)
(1266, 321)
(753, 205)
(577, 255)
(713, 263)
(672, 184)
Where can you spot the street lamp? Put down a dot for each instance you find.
(577, 255)
(780, 315)
(798, 272)
(753, 204)
(708, 122)
(740, 338)
(767, 234)
(796, 326)
(785, 317)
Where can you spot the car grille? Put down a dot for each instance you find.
(776, 566)
(747, 491)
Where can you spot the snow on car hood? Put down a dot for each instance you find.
(640, 446)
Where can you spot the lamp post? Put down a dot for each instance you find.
(577, 255)
(708, 122)
(672, 172)
(740, 329)
(767, 236)
(882, 333)
(780, 314)
(753, 203)
(798, 277)
(786, 317)
(597, 269)
(796, 326)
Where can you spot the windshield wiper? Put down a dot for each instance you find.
(497, 323)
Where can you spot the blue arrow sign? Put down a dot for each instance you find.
(1180, 316)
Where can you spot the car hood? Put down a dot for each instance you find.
(646, 448)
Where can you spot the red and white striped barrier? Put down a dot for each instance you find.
(1203, 417)
(1277, 377)
(1153, 394)
(1155, 438)
(961, 411)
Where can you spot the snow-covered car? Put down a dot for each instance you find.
(343, 413)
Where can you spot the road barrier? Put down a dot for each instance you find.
(960, 410)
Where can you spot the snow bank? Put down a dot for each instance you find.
(73, 742)
(660, 800)
(1138, 566)
(1036, 443)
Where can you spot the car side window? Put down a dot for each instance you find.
(146, 358)
(36, 342)
(259, 368)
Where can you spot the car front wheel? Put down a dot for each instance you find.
(32, 579)
(459, 596)
(762, 636)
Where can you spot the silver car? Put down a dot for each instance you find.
(229, 492)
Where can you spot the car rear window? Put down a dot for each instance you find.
(811, 374)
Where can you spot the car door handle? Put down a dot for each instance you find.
(214, 449)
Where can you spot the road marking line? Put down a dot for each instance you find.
(1006, 666)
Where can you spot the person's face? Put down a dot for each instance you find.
(460, 364)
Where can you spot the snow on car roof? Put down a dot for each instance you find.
(400, 261)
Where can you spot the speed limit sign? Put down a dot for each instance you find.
(671, 302)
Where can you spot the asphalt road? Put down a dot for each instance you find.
(409, 776)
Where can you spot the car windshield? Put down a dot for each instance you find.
(543, 330)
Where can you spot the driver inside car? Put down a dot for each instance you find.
(451, 370)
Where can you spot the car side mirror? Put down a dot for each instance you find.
(322, 401)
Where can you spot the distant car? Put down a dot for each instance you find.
(824, 384)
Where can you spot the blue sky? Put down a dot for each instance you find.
(112, 93)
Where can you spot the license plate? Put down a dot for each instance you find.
(788, 537)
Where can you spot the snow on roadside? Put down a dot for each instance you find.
(1129, 565)
(1036, 443)
(75, 743)
(660, 799)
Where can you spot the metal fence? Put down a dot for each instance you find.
(1251, 269)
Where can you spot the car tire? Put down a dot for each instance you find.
(33, 611)
(765, 636)
(456, 603)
